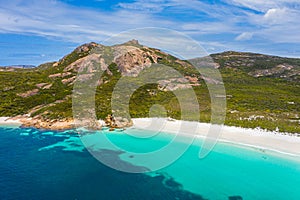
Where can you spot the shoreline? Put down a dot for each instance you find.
(10, 122)
(284, 143)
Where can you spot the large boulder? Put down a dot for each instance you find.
(117, 122)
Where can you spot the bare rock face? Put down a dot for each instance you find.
(173, 84)
(40, 85)
(177, 83)
(60, 75)
(87, 63)
(131, 60)
(43, 85)
(68, 80)
(55, 75)
(282, 69)
(55, 64)
(48, 86)
(29, 93)
(85, 47)
(192, 79)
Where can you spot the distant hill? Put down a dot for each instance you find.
(259, 65)
(262, 90)
(18, 66)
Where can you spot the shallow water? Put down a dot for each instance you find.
(38, 164)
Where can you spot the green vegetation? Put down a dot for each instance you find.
(274, 102)
(269, 102)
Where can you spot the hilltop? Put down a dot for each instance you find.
(262, 90)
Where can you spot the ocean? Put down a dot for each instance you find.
(36, 164)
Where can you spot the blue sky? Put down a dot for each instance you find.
(37, 31)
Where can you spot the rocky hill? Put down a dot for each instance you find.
(262, 91)
(259, 65)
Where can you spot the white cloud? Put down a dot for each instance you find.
(208, 27)
(263, 5)
(244, 36)
(179, 6)
(217, 24)
(275, 21)
(149, 6)
(275, 16)
(58, 20)
(280, 16)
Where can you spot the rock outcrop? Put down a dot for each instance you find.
(117, 122)
(178, 83)
(132, 60)
(60, 75)
(29, 93)
(86, 63)
(41, 123)
(69, 80)
(282, 70)
(44, 85)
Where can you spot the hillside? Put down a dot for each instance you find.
(262, 91)
(259, 65)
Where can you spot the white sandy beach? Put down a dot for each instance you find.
(280, 142)
(275, 141)
(7, 121)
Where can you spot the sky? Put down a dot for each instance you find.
(37, 31)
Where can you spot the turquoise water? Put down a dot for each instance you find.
(55, 165)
